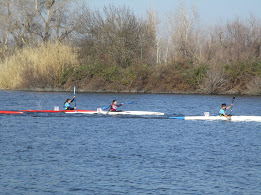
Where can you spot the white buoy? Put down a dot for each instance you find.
(206, 113)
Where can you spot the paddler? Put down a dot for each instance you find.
(114, 106)
(67, 104)
(223, 109)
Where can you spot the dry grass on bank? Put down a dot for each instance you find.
(36, 67)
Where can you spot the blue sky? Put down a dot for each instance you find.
(210, 11)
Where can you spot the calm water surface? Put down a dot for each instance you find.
(58, 153)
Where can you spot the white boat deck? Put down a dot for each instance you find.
(131, 113)
(233, 118)
(118, 113)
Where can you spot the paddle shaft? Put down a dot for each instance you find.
(129, 103)
(74, 95)
(232, 103)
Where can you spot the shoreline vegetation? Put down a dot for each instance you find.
(126, 92)
(52, 47)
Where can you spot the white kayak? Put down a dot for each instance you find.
(131, 113)
(233, 118)
(115, 113)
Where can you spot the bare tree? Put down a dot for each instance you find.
(29, 22)
(3, 43)
(153, 24)
(116, 36)
(13, 20)
(56, 19)
(185, 33)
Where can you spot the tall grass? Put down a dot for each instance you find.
(40, 66)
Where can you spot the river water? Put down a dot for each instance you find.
(58, 153)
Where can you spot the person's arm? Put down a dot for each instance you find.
(227, 116)
(230, 106)
(73, 99)
(120, 105)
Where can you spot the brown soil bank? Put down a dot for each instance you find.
(57, 67)
(138, 79)
(177, 78)
(144, 79)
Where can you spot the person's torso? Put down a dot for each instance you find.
(222, 111)
(66, 105)
(113, 107)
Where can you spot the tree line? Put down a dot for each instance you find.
(52, 44)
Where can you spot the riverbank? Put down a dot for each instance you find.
(58, 67)
(126, 91)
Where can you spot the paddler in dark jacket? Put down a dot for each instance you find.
(67, 104)
(114, 106)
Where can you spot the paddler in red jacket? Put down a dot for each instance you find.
(114, 106)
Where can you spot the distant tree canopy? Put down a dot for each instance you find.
(117, 36)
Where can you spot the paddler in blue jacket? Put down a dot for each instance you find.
(223, 109)
(67, 104)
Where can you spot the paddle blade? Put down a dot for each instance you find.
(74, 95)
(129, 103)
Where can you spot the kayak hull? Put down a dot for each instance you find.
(233, 118)
(119, 113)
(63, 111)
(131, 113)
(55, 111)
(10, 112)
(79, 111)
